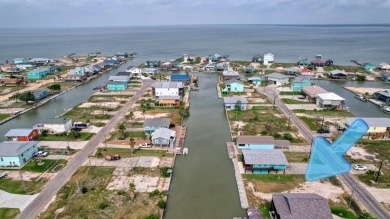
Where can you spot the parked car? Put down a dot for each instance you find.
(80, 125)
(3, 175)
(359, 167)
(112, 157)
(40, 154)
(321, 131)
(145, 145)
(301, 97)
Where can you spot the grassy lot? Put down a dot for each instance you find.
(134, 124)
(290, 93)
(9, 213)
(117, 134)
(108, 98)
(124, 152)
(94, 201)
(274, 183)
(312, 123)
(264, 209)
(230, 94)
(4, 116)
(332, 113)
(33, 165)
(297, 157)
(84, 136)
(291, 101)
(173, 113)
(64, 85)
(343, 212)
(84, 114)
(16, 186)
(284, 65)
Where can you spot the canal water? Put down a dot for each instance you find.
(203, 183)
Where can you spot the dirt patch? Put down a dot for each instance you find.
(138, 115)
(105, 104)
(359, 153)
(364, 90)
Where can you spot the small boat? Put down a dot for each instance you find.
(385, 109)
(361, 97)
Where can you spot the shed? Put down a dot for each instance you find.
(21, 134)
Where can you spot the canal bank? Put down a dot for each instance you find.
(203, 183)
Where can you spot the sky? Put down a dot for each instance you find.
(85, 13)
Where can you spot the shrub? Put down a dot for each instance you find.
(288, 136)
(103, 205)
(152, 216)
(84, 190)
(277, 135)
(120, 192)
(164, 172)
(161, 204)
(155, 193)
(44, 132)
(264, 133)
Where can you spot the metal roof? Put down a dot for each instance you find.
(255, 139)
(169, 84)
(176, 97)
(14, 148)
(234, 99)
(117, 82)
(301, 78)
(264, 157)
(56, 121)
(330, 96)
(180, 77)
(18, 132)
(336, 72)
(277, 76)
(371, 122)
(119, 78)
(163, 133)
(230, 73)
(163, 122)
(231, 81)
(314, 90)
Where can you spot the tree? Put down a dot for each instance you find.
(143, 103)
(26, 97)
(237, 107)
(73, 134)
(132, 144)
(54, 87)
(361, 78)
(131, 115)
(144, 112)
(14, 97)
(122, 129)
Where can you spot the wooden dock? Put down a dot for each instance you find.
(219, 91)
(181, 132)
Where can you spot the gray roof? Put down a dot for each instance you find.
(56, 121)
(177, 97)
(282, 143)
(301, 78)
(13, 148)
(371, 122)
(314, 90)
(163, 133)
(118, 78)
(123, 73)
(230, 73)
(385, 93)
(264, 157)
(163, 122)
(336, 72)
(231, 81)
(169, 84)
(116, 82)
(254, 214)
(301, 205)
(234, 99)
(253, 78)
(18, 132)
(277, 76)
(255, 139)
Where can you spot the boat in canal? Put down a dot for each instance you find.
(361, 97)
(385, 109)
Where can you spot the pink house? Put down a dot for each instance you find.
(307, 72)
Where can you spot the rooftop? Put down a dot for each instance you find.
(230, 73)
(56, 121)
(301, 78)
(164, 122)
(264, 157)
(314, 90)
(277, 76)
(255, 139)
(123, 73)
(336, 72)
(371, 122)
(330, 96)
(168, 84)
(163, 133)
(234, 99)
(13, 148)
(177, 97)
(39, 70)
(18, 132)
(116, 82)
(180, 77)
(119, 77)
(231, 81)
(384, 93)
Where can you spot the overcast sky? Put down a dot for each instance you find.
(75, 13)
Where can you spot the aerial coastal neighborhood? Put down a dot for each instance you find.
(119, 149)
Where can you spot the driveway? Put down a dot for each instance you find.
(296, 168)
(8, 200)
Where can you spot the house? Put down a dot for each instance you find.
(264, 161)
(257, 58)
(383, 96)
(55, 125)
(170, 101)
(378, 128)
(16, 154)
(300, 82)
(152, 124)
(307, 72)
(230, 74)
(204, 59)
(231, 102)
(181, 78)
(214, 58)
(187, 67)
(25, 65)
(121, 55)
(254, 80)
(19, 60)
(98, 67)
(124, 73)
(384, 66)
(210, 67)
(130, 68)
(234, 86)
(303, 62)
(189, 58)
(21, 134)
(368, 66)
(249, 70)
(9, 68)
(163, 137)
(149, 71)
(152, 64)
(119, 78)
(278, 79)
(292, 70)
(168, 88)
(12, 81)
(222, 66)
(317, 62)
(330, 101)
(255, 142)
(40, 61)
(337, 74)
(136, 72)
(268, 58)
(116, 85)
(78, 78)
(40, 94)
(77, 71)
(385, 76)
(311, 92)
(38, 73)
(299, 205)
(166, 66)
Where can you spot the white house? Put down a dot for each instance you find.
(163, 137)
(40, 60)
(330, 101)
(149, 71)
(25, 65)
(55, 125)
(121, 78)
(268, 58)
(384, 66)
(278, 79)
(187, 67)
(134, 71)
(189, 57)
(168, 88)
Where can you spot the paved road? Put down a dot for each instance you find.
(360, 192)
(56, 184)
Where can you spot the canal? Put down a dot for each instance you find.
(58, 105)
(203, 183)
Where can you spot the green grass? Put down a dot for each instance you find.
(274, 178)
(4, 116)
(297, 157)
(284, 65)
(33, 165)
(84, 114)
(124, 152)
(343, 212)
(332, 113)
(16, 186)
(310, 122)
(136, 134)
(264, 209)
(274, 182)
(84, 136)
(8, 213)
(291, 101)
(290, 93)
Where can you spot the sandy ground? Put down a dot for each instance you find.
(303, 106)
(363, 90)
(256, 100)
(360, 153)
(105, 104)
(10, 110)
(138, 115)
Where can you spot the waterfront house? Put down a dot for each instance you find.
(121, 55)
(116, 85)
(299, 205)
(16, 154)
(300, 82)
(152, 124)
(187, 67)
(40, 61)
(149, 71)
(254, 80)
(124, 73)
(130, 68)
(98, 67)
(169, 101)
(19, 60)
(210, 67)
(164, 137)
(77, 71)
(255, 142)
(55, 125)
(268, 58)
(330, 101)
(232, 102)
(383, 96)
(378, 128)
(168, 88)
(385, 76)
(230, 74)
(40, 94)
(120, 78)
(181, 78)
(214, 58)
(338, 74)
(311, 92)
(264, 161)
(307, 72)
(222, 66)
(234, 86)
(292, 70)
(317, 62)
(135, 72)
(189, 58)
(110, 62)
(204, 59)
(278, 79)
(10, 68)
(384, 66)
(368, 66)
(249, 70)
(152, 64)
(303, 62)
(38, 73)
(78, 78)
(21, 134)
(25, 65)
(257, 58)
(166, 66)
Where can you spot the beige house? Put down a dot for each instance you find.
(379, 128)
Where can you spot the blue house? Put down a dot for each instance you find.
(385, 76)
(255, 142)
(303, 62)
(116, 85)
(40, 94)
(264, 161)
(234, 86)
(300, 82)
(215, 58)
(110, 62)
(254, 80)
(38, 73)
(231, 102)
(182, 78)
(77, 71)
(121, 55)
(152, 64)
(16, 154)
(368, 66)
(152, 124)
(383, 96)
(292, 70)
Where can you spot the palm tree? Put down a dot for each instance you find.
(132, 143)
(122, 128)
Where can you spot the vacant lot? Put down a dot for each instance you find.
(296, 157)
(84, 136)
(9, 213)
(85, 114)
(332, 113)
(17, 186)
(124, 152)
(40, 166)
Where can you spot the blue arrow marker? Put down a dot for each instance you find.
(327, 159)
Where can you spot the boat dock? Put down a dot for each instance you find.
(219, 91)
(356, 62)
(181, 132)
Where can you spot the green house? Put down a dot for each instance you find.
(116, 85)
(38, 73)
(303, 62)
(234, 86)
(300, 82)
(254, 80)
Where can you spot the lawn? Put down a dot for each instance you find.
(33, 165)
(274, 182)
(64, 85)
(343, 212)
(84, 115)
(8, 213)
(172, 113)
(291, 101)
(135, 134)
(284, 65)
(85, 196)
(264, 209)
(4, 116)
(108, 98)
(310, 122)
(332, 113)
(16, 186)
(124, 152)
(297, 157)
(290, 93)
(84, 136)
